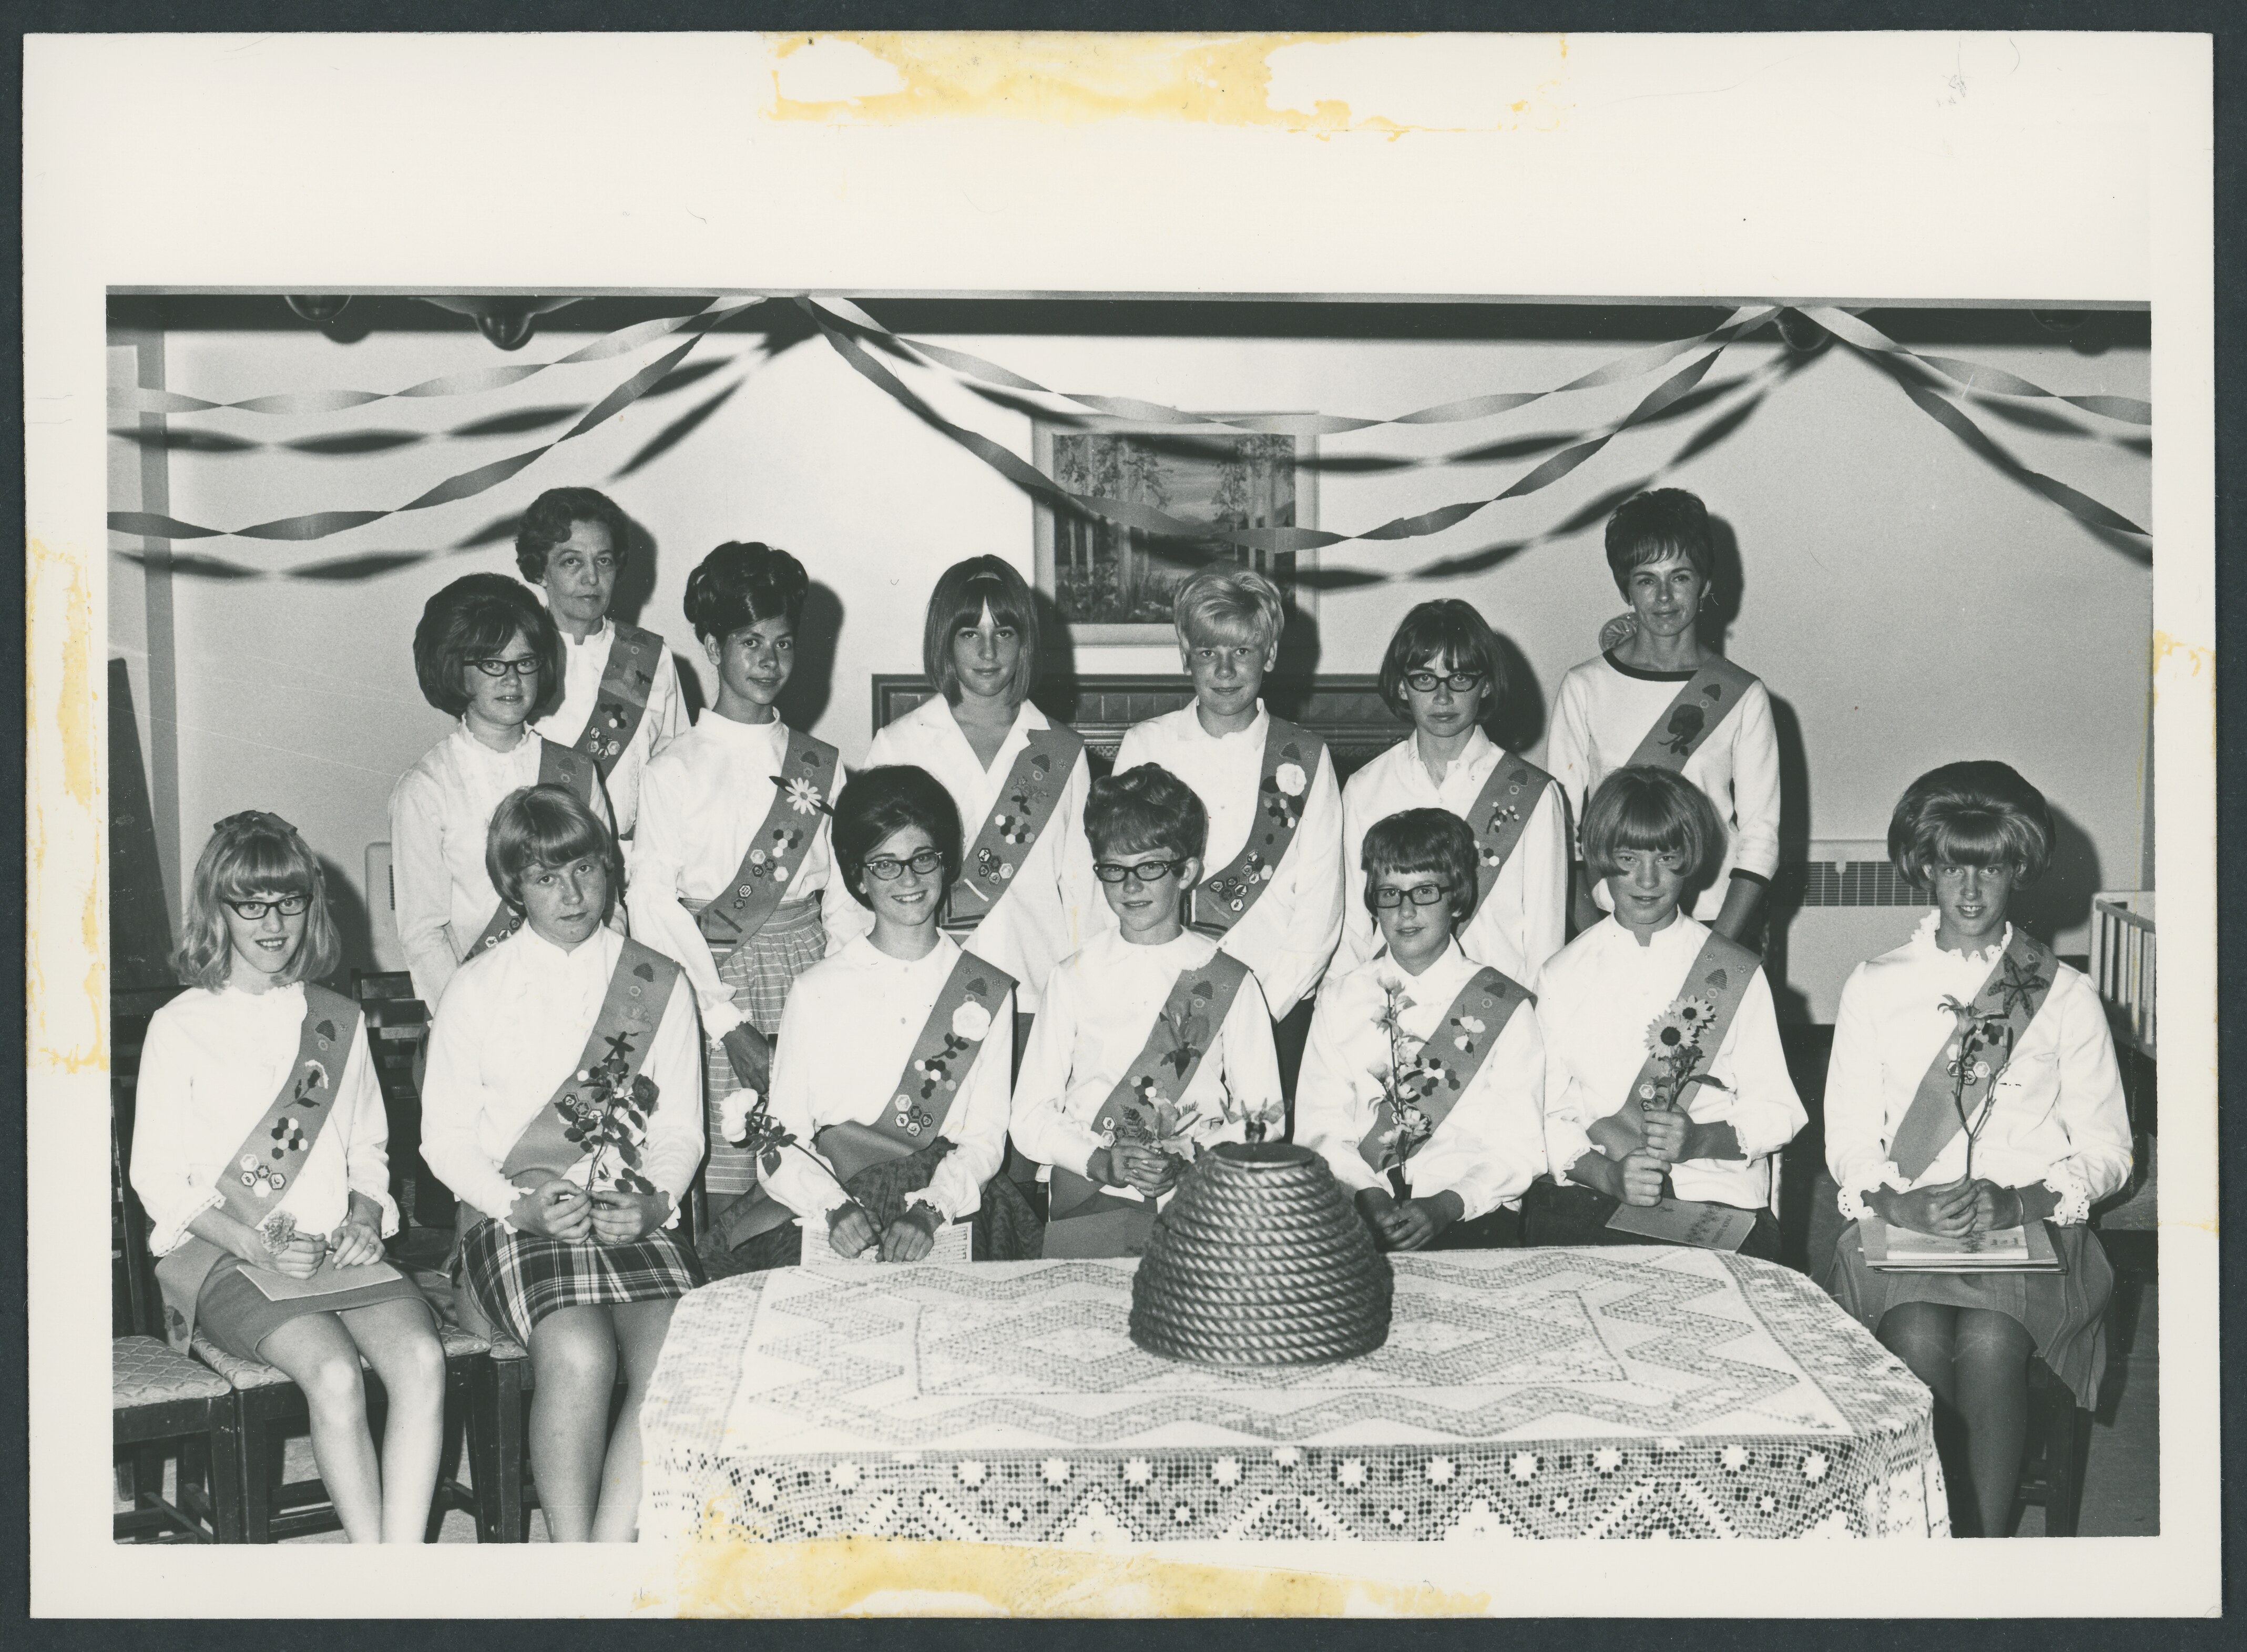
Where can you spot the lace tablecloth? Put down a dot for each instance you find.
(1599, 1392)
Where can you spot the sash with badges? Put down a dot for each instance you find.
(558, 765)
(776, 854)
(1291, 761)
(1414, 1106)
(266, 1165)
(1085, 1219)
(1700, 708)
(639, 990)
(621, 701)
(1027, 803)
(1500, 814)
(2002, 1010)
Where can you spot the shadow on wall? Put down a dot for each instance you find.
(1721, 607)
(1056, 675)
(347, 911)
(635, 579)
(1517, 722)
(1794, 1005)
(811, 684)
(1299, 646)
(2060, 900)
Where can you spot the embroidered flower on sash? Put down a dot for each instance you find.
(802, 796)
(971, 1022)
(1291, 779)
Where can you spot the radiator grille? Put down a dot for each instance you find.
(1852, 883)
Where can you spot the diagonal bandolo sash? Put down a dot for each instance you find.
(639, 989)
(2015, 989)
(1291, 762)
(1500, 814)
(1719, 976)
(265, 1165)
(1449, 1060)
(621, 701)
(1185, 1029)
(1701, 705)
(558, 765)
(776, 854)
(1025, 807)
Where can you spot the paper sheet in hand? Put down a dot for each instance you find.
(1685, 1221)
(953, 1244)
(2011, 1249)
(331, 1279)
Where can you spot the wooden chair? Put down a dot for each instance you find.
(2059, 1443)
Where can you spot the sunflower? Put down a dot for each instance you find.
(1669, 1032)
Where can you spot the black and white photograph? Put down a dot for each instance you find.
(888, 940)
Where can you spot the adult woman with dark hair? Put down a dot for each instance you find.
(619, 700)
(733, 872)
(883, 1076)
(486, 653)
(1445, 673)
(565, 1244)
(1974, 1088)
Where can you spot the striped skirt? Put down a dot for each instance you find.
(759, 971)
(518, 1279)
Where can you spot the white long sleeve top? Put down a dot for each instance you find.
(512, 1027)
(1523, 920)
(851, 1023)
(441, 815)
(2058, 1115)
(664, 721)
(1290, 933)
(1101, 1005)
(1604, 709)
(1052, 906)
(703, 800)
(1594, 1003)
(212, 1065)
(1490, 1146)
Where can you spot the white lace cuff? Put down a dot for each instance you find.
(2074, 1193)
(1851, 1199)
(164, 1238)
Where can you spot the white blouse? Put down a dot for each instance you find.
(1594, 1003)
(212, 1065)
(2058, 1115)
(1101, 1006)
(1289, 934)
(663, 721)
(1603, 712)
(1052, 906)
(1490, 1146)
(703, 801)
(850, 1023)
(441, 815)
(1523, 920)
(513, 1026)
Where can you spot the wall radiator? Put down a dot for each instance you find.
(2122, 961)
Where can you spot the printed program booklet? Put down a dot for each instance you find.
(1685, 1221)
(2014, 1250)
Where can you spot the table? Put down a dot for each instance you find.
(1632, 1391)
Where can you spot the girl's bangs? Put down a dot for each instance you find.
(986, 591)
(265, 864)
(1646, 823)
(556, 838)
(1972, 838)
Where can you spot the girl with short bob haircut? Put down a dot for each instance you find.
(1974, 1090)
(1445, 673)
(1622, 1125)
(733, 870)
(567, 1249)
(486, 653)
(257, 1064)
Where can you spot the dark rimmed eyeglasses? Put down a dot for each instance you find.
(250, 911)
(889, 868)
(1147, 871)
(1423, 682)
(526, 666)
(1420, 894)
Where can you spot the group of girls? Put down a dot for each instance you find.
(972, 997)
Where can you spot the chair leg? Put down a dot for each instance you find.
(261, 1471)
(2068, 1438)
(514, 1443)
(228, 1517)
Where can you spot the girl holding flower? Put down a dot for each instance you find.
(1664, 1073)
(1974, 1088)
(733, 871)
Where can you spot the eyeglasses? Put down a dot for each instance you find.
(889, 868)
(526, 666)
(1147, 871)
(1423, 682)
(288, 906)
(1421, 894)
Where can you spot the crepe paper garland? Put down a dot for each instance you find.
(1988, 381)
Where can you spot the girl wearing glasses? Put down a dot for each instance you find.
(258, 1151)
(734, 874)
(1444, 671)
(1424, 1081)
(890, 1076)
(486, 653)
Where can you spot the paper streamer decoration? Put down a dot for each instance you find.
(1989, 382)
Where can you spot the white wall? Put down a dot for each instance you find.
(1908, 602)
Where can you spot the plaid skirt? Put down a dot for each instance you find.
(518, 1279)
(759, 971)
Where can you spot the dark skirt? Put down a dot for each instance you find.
(235, 1315)
(1552, 1214)
(1005, 1228)
(518, 1279)
(2065, 1313)
(1495, 1230)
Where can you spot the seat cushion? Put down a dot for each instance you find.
(142, 1371)
(252, 1374)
